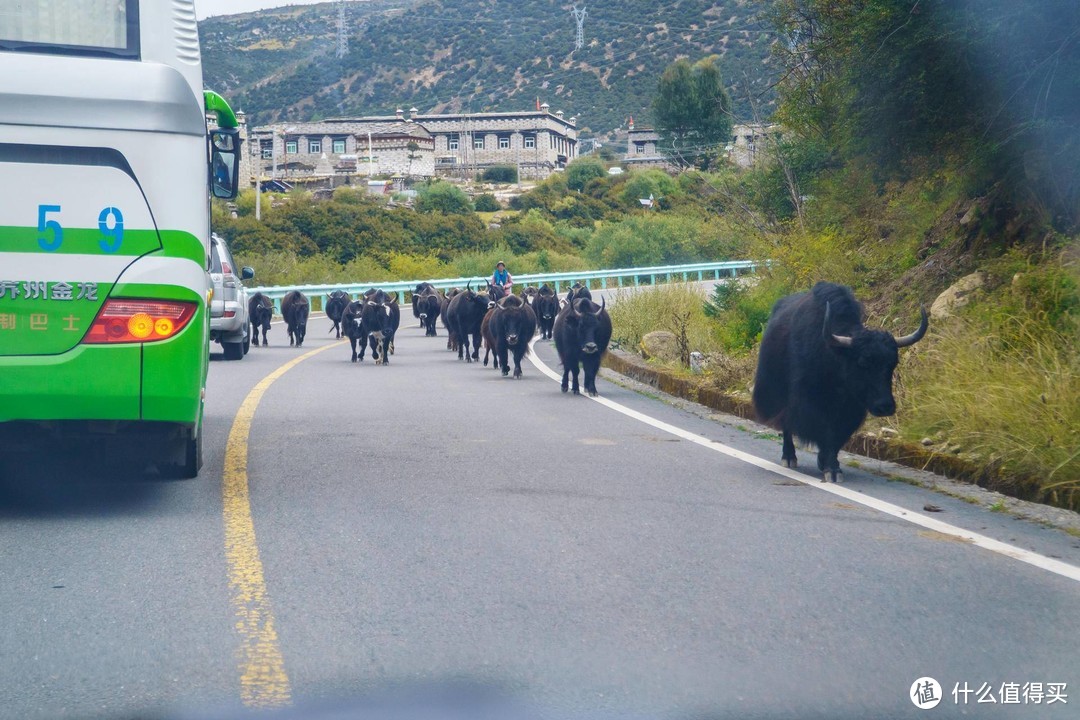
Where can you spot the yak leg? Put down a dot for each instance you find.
(265, 330)
(829, 464)
(502, 354)
(787, 457)
(592, 366)
(476, 346)
(387, 350)
(352, 343)
(565, 378)
(575, 388)
(517, 363)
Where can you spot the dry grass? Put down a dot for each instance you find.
(637, 313)
(1007, 393)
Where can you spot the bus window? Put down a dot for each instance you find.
(72, 27)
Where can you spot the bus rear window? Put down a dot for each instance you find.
(107, 28)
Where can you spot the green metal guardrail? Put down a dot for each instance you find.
(624, 277)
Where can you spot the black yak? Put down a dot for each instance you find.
(381, 318)
(547, 308)
(260, 310)
(352, 326)
(820, 371)
(582, 332)
(512, 325)
(465, 314)
(427, 305)
(295, 308)
(335, 305)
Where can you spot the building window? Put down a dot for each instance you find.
(290, 146)
(639, 148)
(504, 142)
(314, 146)
(452, 142)
(339, 147)
(478, 143)
(530, 141)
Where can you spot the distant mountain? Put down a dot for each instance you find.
(481, 55)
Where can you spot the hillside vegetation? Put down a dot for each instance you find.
(480, 55)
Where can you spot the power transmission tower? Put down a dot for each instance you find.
(579, 17)
(342, 31)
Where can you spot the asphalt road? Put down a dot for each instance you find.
(431, 523)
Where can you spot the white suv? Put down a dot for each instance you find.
(229, 306)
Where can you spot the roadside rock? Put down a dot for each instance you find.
(659, 345)
(957, 296)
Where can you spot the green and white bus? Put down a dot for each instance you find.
(106, 172)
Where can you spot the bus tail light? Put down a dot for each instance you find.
(132, 321)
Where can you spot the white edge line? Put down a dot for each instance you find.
(1032, 558)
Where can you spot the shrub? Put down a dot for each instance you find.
(500, 174)
(582, 170)
(441, 196)
(487, 203)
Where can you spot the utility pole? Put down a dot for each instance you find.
(342, 30)
(257, 157)
(579, 18)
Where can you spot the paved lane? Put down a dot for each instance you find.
(433, 521)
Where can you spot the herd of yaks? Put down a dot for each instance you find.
(506, 323)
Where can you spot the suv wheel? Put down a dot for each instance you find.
(233, 350)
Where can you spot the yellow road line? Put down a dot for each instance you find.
(263, 680)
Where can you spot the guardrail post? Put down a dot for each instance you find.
(652, 278)
(620, 280)
(700, 275)
(734, 272)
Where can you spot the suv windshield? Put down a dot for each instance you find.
(71, 27)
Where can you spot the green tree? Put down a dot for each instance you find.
(692, 111)
(582, 170)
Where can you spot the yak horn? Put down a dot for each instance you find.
(603, 304)
(916, 336)
(829, 337)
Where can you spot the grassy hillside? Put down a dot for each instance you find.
(480, 55)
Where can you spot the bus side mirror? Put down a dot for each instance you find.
(247, 273)
(224, 162)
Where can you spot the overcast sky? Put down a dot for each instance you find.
(206, 8)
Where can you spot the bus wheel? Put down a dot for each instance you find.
(233, 350)
(192, 456)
